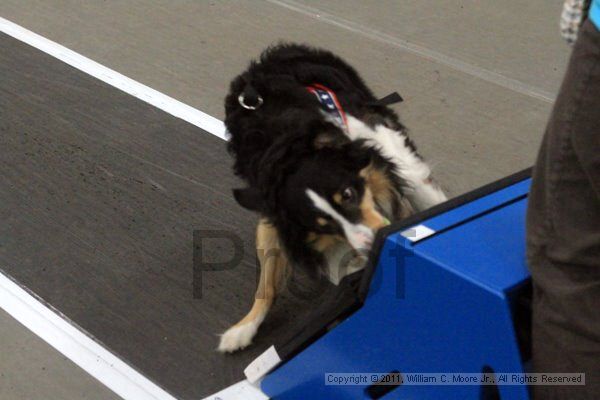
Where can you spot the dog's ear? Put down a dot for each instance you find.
(249, 198)
(330, 138)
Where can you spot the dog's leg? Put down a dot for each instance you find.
(422, 192)
(273, 269)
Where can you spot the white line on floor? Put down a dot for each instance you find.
(456, 64)
(76, 345)
(113, 78)
(55, 328)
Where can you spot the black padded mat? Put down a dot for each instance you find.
(99, 196)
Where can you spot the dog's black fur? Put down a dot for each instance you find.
(287, 145)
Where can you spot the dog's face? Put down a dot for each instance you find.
(328, 197)
(333, 200)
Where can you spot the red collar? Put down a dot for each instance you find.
(329, 103)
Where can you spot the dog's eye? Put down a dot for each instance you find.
(349, 195)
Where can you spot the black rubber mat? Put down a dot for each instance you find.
(99, 196)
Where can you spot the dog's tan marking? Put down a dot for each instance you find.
(337, 197)
(378, 182)
(322, 221)
(273, 273)
(370, 216)
(380, 186)
(366, 171)
(378, 190)
(322, 242)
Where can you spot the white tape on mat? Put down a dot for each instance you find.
(262, 364)
(417, 233)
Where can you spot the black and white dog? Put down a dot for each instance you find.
(326, 165)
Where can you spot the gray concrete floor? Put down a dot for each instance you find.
(32, 370)
(478, 76)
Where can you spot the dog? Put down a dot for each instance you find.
(326, 165)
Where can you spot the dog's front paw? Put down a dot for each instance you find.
(237, 337)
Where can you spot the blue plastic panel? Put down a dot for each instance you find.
(489, 250)
(478, 206)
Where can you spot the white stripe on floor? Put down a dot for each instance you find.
(79, 347)
(55, 328)
(76, 345)
(113, 78)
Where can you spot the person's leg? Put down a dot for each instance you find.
(563, 230)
